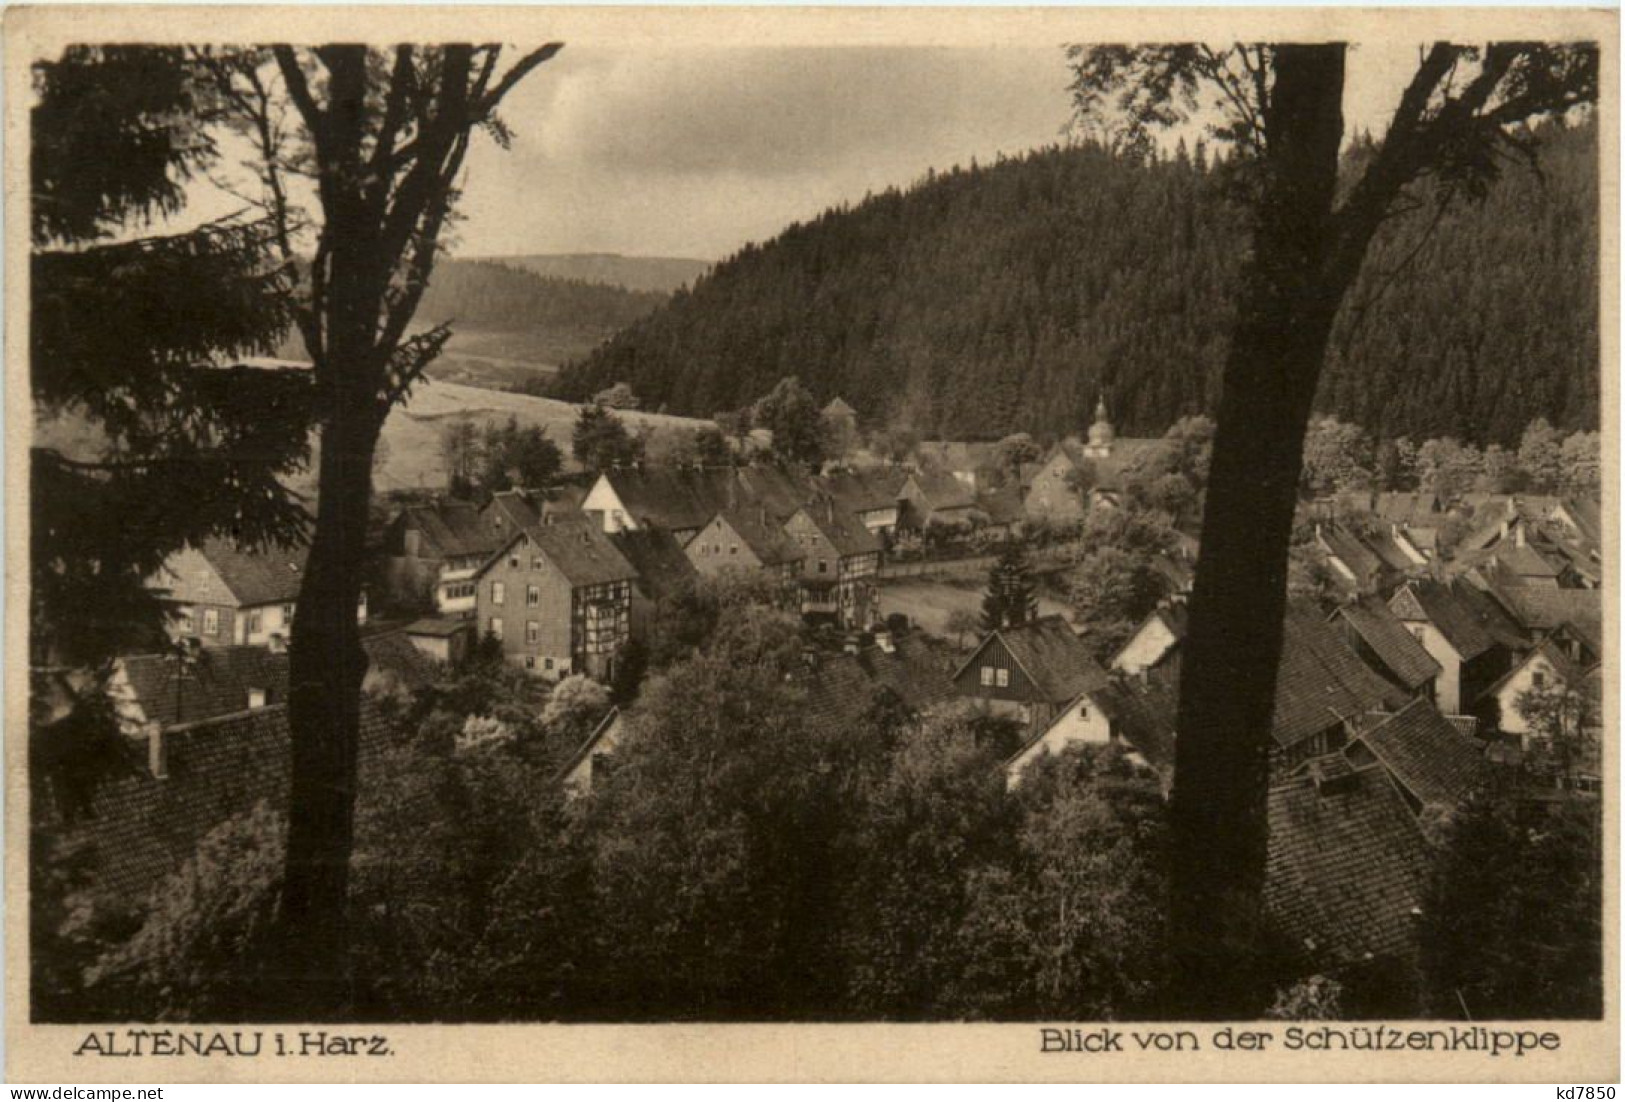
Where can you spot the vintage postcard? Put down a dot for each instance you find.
(787, 544)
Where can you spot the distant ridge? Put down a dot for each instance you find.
(636, 273)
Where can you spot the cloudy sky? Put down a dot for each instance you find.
(695, 151)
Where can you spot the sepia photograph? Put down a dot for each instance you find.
(687, 525)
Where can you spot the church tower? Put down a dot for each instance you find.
(1101, 434)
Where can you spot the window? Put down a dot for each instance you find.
(1083, 710)
(496, 626)
(533, 596)
(533, 631)
(497, 593)
(1004, 678)
(987, 675)
(254, 621)
(513, 562)
(287, 614)
(615, 515)
(536, 563)
(530, 661)
(823, 566)
(733, 549)
(547, 663)
(183, 620)
(1420, 632)
(1538, 679)
(211, 621)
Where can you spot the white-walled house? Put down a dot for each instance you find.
(1158, 634)
(1547, 668)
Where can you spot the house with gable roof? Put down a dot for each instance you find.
(1464, 631)
(431, 552)
(1030, 671)
(840, 564)
(1383, 642)
(221, 594)
(559, 597)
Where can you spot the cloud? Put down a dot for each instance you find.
(701, 149)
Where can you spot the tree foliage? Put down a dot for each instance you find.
(998, 299)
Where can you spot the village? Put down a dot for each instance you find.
(1433, 646)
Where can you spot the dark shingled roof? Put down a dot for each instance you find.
(863, 491)
(1144, 712)
(766, 540)
(518, 510)
(1430, 759)
(1420, 510)
(840, 687)
(1320, 680)
(141, 828)
(1347, 866)
(215, 682)
(663, 569)
(264, 577)
(942, 490)
(1111, 471)
(450, 529)
(674, 498)
(1405, 658)
(1546, 608)
(1352, 550)
(579, 549)
(849, 534)
(1058, 663)
(1426, 599)
(439, 626)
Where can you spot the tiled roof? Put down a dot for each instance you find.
(674, 498)
(142, 828)
(517, 509)
(658, 558)
(1347, 866)
(775, 489)
(450, 529)
(1426, 599)
(1386, 548)
(1320, 680)
(1464, 725)
(863, 491)
(1546, 608)
(213, 682)
(579, 549)
(766, 540)
(1144, 712)
(840, 687)
(849, 534)
(1058, 663)
(942, 490)
(257, 577)
(1351, 549)
(1406, 659)
(1427, 755)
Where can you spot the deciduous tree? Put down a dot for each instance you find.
(1462, 111)
(384, 135)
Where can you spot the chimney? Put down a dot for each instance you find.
(1522, 535)
(157, 754)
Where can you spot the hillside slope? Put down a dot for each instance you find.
(662, 274)
(1006, 297)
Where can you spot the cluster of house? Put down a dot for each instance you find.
(1401, 700)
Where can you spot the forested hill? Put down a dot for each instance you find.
(491, 295)
(636, 273)
(1003, 298)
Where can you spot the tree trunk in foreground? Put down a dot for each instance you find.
(327, 665)
(1227, 685)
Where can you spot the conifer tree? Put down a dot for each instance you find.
(1012, 598)
(152, 434)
